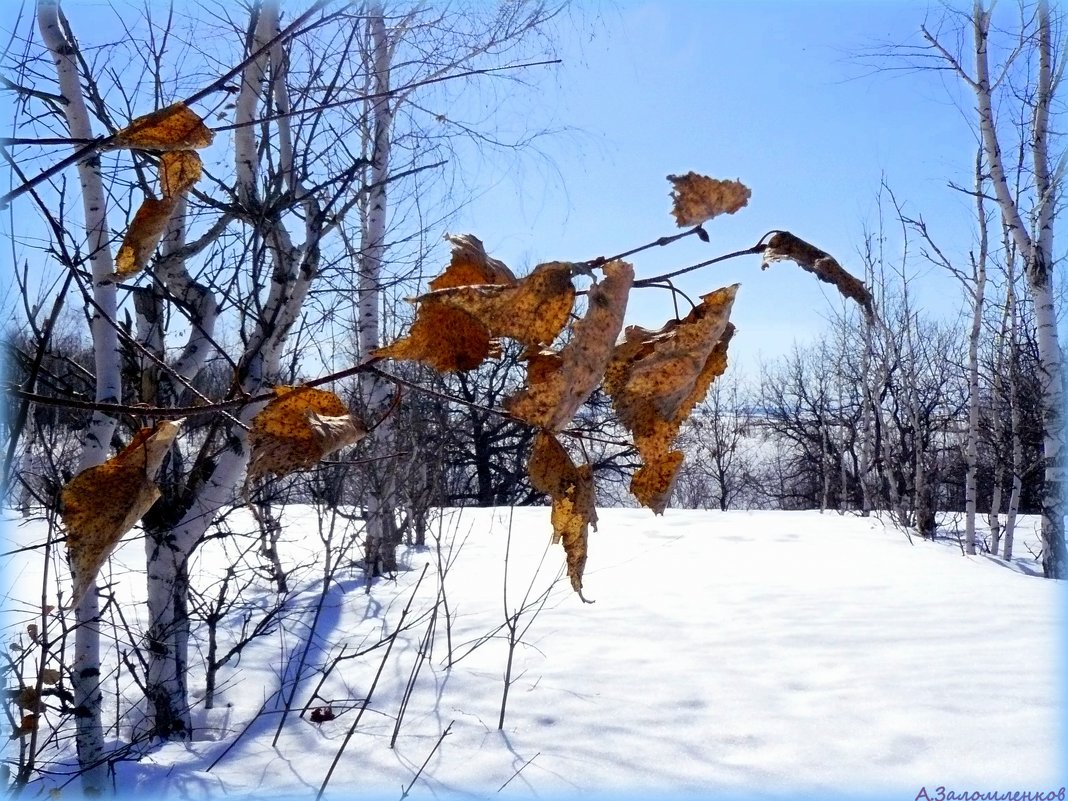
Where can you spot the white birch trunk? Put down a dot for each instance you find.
(977, 292)
(85, 668)
(1038, 253)
(381, 543)
(169, 553)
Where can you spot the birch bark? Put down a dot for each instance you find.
(85, 668)
(1038, 253)
(381, 536)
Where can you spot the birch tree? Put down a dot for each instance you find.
(250, 243)
(1029, 221)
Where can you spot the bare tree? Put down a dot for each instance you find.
(1028, 216)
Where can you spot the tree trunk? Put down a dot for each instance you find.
(381, 537)
(85, 669)
(971, 452)
(1039, 262)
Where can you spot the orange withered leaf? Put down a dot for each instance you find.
(532, 311)
(299, 427)
(143, 235)
(175, 127)
(102, 503)
(574, 508)
(559, 383)
(446, 338)
(698, 198)
(27, 725)
(784, 246)
(653, 482)
(178, 171)
(656, 378)
(470, 264)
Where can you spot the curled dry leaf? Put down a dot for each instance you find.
(175, 127)
(784, 246)
(532, 311)
(143, 235)
(102, 503)
(446, 338)
(559, 383)
(571, 489)
(298, 428)
(178, 171)
(656, 378)
(470, 264)
(698, 198)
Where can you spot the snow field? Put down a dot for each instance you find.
(738, 653)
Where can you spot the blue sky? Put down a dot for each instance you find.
(772, 93)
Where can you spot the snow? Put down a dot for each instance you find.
(751, 653)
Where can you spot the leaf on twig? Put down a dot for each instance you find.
(50, 676)
(698, 198)
(656, 378)
(445, 338)
(175, 127)
(299, 427)
(104, 502)
(27, 698)
(143, 235)
(559, 383)
(532, 311)
(178, 171)
(27, 725)
(784, 246)
(574, 508)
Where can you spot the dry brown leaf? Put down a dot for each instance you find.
(572, 492)
(50, 676)
(298, 428)
(178, 171)
(175, 127)
(532, 311)
(784, 246)
(470, 264)
(698, 198)
(102, 503)
(449, 339)
(143, 235)
(652, 483)
(558, 384)
(27, 725)
(656, 378)
(27, 698)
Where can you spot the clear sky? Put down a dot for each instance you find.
(772, 93)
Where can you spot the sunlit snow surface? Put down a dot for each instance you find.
(763, 653)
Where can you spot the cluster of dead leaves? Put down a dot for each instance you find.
(177, 133)
(102, 503)
(656, 378)
(298, 428)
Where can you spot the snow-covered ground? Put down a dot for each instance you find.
(756, 653)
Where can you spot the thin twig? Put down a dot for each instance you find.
(426, 761)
